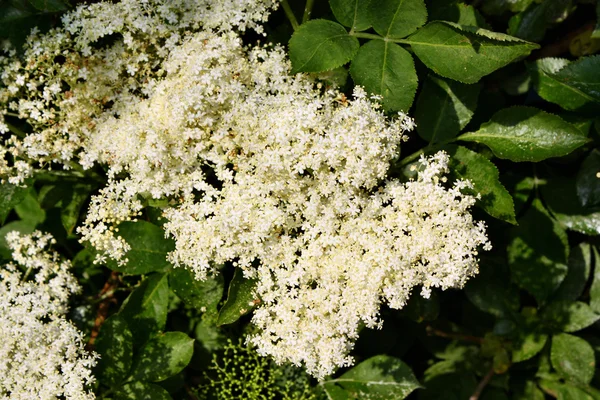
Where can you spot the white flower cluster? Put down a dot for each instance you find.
(282, 177)
(403, 235)
(105, 57)
(42, 354)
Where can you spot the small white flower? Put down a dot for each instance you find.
(42, 354)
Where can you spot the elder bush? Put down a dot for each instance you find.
(219, 199)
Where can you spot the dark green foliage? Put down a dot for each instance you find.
(465, 53)
(196, 294)
(386, 69)
(527, 134)
(241, 299)
(455, 104)
(145, 310)
(484, 176)
(149, 248)
(395, 19)
(115, 346)
(460, 52)
(321, 45)
(379, 377)
(537, 253)
(163, 356)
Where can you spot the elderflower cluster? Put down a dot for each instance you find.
(42, 354)
(258, 167)
(105, 57)
(404, 235)
(287, 181)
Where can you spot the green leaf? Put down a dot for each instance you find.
(68, 198)
(537, 253)
(514, 80)
(453, 386)
(464, 53)
(380, 377)
(11, 15)
(483, 174)
(75, 197)
(519, 5)
(149, 248)
(197, 294)
(141, 390)
(10, 196)
(29, 210)
(444, 108)
(336, 77)
(16, 22)
(209, 336)
(562, 391)
(573, 358)
(320, 45)
(491, 291)
(560, 195)
(386, 69)
(49, 5)
(351, 13)
(520, 187)
(595, 288)
(596, 31)
(588, 180)
(396, 19)
(527, 134)
(241, 299)
(163, 356)
(115, 346)
(145, 310)
(527, 344)
(24, 227)
(529, 391)
(454, 11)
(568, 316)
(532, 23)
(497, 7)
(572, 85)
(501, 361)
(580, 264)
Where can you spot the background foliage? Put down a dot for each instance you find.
(510, 89)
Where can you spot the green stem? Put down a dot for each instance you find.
(75, 166)
(307, 10)
(364, 35)
(430, 147)
(290, 14)
(15, 130)
(11, 114)
(24, 278)
(407, 160)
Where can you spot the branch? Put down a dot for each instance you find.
(479, 389)
(455, 336)
(107, 296)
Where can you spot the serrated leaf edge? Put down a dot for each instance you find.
(290, 45)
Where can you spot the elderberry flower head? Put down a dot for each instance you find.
(103, 58)
(42, 354)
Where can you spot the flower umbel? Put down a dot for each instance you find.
(42, 354)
